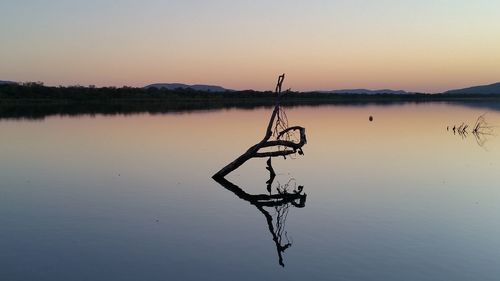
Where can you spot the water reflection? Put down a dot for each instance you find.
(40, 111)
(286, 195)
(410, 200)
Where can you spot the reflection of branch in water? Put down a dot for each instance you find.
(480, 139)
(281, 203)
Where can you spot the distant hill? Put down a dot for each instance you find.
(367, 92)
(6, 82)
(198, 87)
(485, 90)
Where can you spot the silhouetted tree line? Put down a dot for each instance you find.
(37, 91)
(34, 100)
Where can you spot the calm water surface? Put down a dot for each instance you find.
(131, 197)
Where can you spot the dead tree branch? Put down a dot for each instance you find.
(284, 142)
(481, 130)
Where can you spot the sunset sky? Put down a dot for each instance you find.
(424, 45)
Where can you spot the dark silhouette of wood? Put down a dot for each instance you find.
(282, 144)
(280, 201)
(281, 78)
(278, 140)
(272, 175)
(481, 130)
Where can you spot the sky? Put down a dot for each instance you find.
(424, 45)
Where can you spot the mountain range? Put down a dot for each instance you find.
(367, 92)
(484, 90)
(479, 90)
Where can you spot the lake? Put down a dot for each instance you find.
(130, 197)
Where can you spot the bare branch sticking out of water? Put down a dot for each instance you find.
(481, 130)
(272, 175)
(279, 139)
(482, 127)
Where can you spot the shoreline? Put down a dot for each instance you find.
(38, 102)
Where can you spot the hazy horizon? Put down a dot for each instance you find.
(417, 46)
